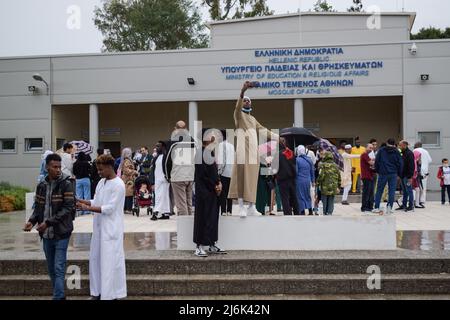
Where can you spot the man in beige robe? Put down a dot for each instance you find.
(346, 175)
(244, 178)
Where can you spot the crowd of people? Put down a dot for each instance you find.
(182, 174)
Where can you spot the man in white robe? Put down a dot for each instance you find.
(162, 186)
(107, 274)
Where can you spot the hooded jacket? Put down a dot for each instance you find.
(329, 179)
(62, 207)
(388, 161)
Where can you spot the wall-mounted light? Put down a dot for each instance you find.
(191, 81)
(32, 89)
(413, 49)
(38, 77)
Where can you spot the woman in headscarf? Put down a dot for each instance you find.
(305, 177)
(43, 171)
(127, 172)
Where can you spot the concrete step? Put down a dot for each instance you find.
(211, 285)
(231, 266)
(372, 296)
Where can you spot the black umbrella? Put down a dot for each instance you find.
(298, 136)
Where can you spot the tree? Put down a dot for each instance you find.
(356, 7)
(323, 6)
(141, 25)
(236, 9)
(431, 33)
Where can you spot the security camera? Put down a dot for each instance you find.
(32, 89)
(413, 49)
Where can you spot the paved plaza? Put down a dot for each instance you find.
(434, 217)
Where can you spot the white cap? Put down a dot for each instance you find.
(348, 146)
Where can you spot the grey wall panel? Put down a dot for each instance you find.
(24, 107)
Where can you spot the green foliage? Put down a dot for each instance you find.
(431, 33)
(16, 193)
(323, 6)
(142, 25)
(236, 9)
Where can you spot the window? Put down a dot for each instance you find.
(34, 145)
(8, 145)
(60, 143)
(430, 139)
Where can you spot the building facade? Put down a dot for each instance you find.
(339, 74)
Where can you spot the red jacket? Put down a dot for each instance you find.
(440, 176)
(366, 171)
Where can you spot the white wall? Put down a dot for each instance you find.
(427, 104)
(308, 29)
(23, 115)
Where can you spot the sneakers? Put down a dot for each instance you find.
(216, 250)
(345, 203)
(164, 216)
(420, 206)
(252, 211)
(400, 208)
(243, 213)
(377, 211)
(409, 209)
(200, 252)
(389, 210)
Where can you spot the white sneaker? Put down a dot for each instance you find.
(242, 211)
(216, 250)
(200, 252)
(253, 212)
(377, 211)
(389, 210)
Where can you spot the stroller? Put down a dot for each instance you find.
(139, 200)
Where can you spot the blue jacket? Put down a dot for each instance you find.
(389, 161)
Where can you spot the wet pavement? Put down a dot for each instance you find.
(163, 238)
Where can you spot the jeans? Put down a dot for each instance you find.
(328, 205)
(56, 255)
(83, 190)
(445, 187)
(408, 195)
(367, 195)
(391, 181)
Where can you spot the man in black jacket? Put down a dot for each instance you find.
(406, 177)
(286, 176)
(54, 211)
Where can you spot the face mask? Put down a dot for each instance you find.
(358, 145)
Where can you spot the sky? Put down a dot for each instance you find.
(48, 27)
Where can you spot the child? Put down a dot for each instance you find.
(143, 192)
(328, 181)
(444, 176)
